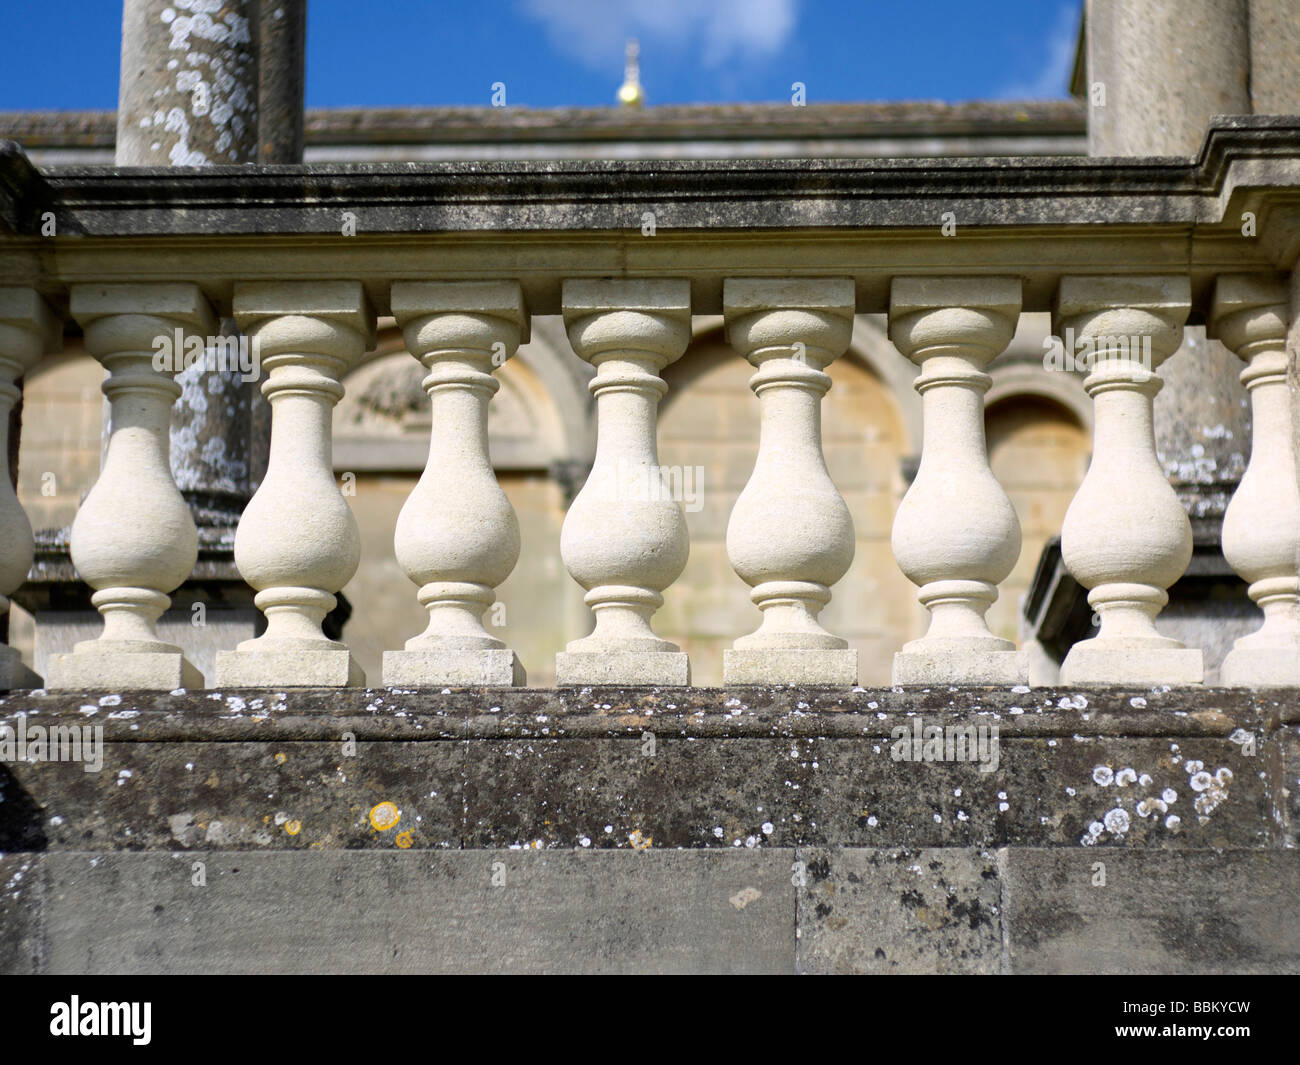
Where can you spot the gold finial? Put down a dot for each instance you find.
(630, 93)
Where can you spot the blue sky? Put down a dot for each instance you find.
(556, 53)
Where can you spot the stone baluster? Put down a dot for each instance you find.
(1126, 537)
(134, 540)
(790, 535)
(28, 329)
(457, 536)
(298, 543)
(624, 538)
(1261, 529)
(956, 535)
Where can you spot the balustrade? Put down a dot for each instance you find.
(298, 543)
(28, 330)
(1261, 529)
(790, 537)
(1126, 536)
(134, 540)
(956, 535)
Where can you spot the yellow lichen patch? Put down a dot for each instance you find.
(638, 841)
(281, 758)
(403, 839)
(384, 815)
(293, 827)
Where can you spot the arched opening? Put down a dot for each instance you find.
(1039, 453)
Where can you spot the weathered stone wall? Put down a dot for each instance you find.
(617, 830)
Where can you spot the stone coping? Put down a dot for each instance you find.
(690, 194)
(392, 714)
(424, 125)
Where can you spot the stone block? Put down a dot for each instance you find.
(788, 666)
(961, 666)
(899, 911)
(1151, 912)
(453, 669)
(138, 671)
(624, 668)
(279, 669)
(421, 912)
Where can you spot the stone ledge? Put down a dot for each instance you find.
(603, 195)
(711, 793)
(305, 714)
(945, 910)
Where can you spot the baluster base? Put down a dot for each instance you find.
(138, 671)
(960, 665)
(833, 668)
(454, 669)
(287, 669)
(662, 669)
(1261, 667)
(1131, 665)
(14, 674)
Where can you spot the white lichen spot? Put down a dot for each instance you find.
(1125, 777)
(1169, 795)
(1137, 702)
(1103, 775)
(1116, 821)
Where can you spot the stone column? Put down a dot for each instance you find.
(1164, 67)
(134, 540)
(188, 91)
(457, 536)
(1274, 44)
(28, 329)
(298, 543)
(956, 535)
(281, 51)
(624, 538)
(1261, 531)
(1126, 537)
(790, 536)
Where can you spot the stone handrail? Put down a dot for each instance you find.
(1123, 254)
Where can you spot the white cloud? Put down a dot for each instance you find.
(716, 32)
(1053, 58)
